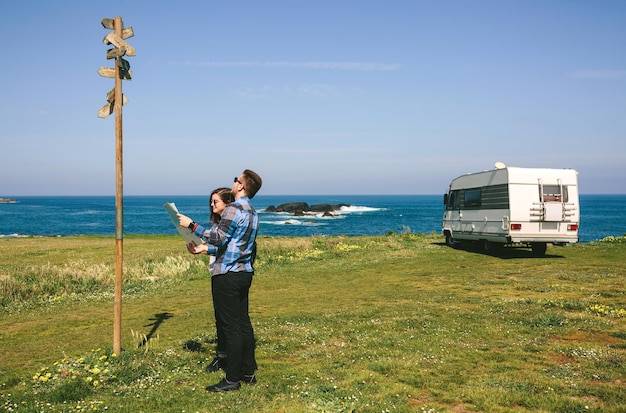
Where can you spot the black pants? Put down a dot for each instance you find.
(221, 344)
(230, 295)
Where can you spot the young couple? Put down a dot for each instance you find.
(232, 239)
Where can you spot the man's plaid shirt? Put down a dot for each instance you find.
(234, 237)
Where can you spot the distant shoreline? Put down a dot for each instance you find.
(135, 236)
(369, 215)
(259, 196)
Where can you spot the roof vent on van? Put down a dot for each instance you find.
(499, 165)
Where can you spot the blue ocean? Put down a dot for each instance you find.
(601, 215)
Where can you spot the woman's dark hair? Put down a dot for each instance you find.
(226, 195)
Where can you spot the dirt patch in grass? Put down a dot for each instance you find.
(585, 336)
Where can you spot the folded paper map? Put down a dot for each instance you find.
(189, 236)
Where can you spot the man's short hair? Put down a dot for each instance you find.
(252, 182)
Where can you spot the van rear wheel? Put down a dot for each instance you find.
(538, 248)
(487, 246)
(450, 242)
(491, 247)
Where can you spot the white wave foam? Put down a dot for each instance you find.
(86, 212)
(22, 236)
(307, 215)
(358, 209)
(294, 222)
(13, 236)
(311, 218)
(93, 224)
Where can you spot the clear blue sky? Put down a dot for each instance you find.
(319, 97)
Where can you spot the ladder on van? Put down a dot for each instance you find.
(554, 210)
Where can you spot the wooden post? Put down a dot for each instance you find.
(115, 100)
(119, 201)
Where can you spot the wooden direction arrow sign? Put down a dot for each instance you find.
(110, 72)
(116, 40)
(110, 24)
(107, 109)
(111, 96)
(116, 52)
(127, 32)
(106, 72)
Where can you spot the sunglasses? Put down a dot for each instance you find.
(238, 181)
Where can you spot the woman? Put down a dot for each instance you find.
(220, 197)
(218, 201)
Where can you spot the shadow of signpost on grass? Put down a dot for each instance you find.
(143, 340)
(157, 321)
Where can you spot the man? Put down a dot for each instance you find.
(233, 270)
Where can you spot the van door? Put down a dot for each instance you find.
(453, 211)
(553, 198)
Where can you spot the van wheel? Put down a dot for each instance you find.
(490, 247)
(450, 242)
(487, 246)
(538, 248)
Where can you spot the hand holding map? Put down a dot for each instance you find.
(189, 236)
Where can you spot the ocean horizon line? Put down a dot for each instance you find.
(258, 196)
(377, 214)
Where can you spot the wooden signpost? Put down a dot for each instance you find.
(115, 99)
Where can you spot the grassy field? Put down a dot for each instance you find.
(395, 323)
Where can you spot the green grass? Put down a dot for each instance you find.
(397, 323)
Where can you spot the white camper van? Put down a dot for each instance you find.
(514, 207)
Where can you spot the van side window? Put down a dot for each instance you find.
(457, 199)
(453, 200)
(552, 193)
(471, 197)
(449, 199)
